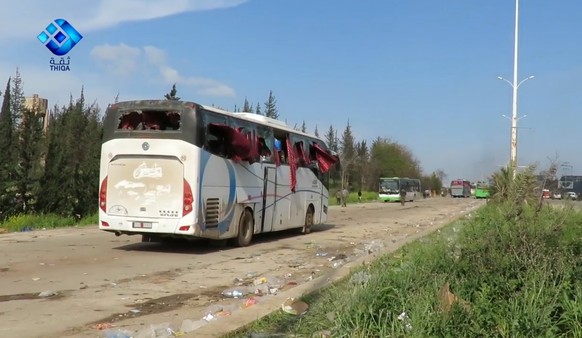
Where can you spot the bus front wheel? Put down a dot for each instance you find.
(246, 227)
(308, 220)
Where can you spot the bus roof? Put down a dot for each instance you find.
(259, 119)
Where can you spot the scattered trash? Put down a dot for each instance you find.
(191, 325)
(261, 280)
(36, 279)
(360, 278)
(47, 294)
(338, 257)
(447, 299)
(83, 287)
(403, 317)
(237, 292)
(135, 311)
(321, 254)
(322, 334)
(294, 306)
(250, 302)
(117, 334)
(103, 326)
(164, 330)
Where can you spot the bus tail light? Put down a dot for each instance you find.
(103, 195)
(184, 228)
(105, 224)
(188, 199)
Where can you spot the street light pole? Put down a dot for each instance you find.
(513, 154)
(515, 86)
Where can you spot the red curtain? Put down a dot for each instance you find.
(242, 146)
(292, 159)
(302, 154)
(324, 158)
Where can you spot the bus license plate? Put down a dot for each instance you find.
(142, 225)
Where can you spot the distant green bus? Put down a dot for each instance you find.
(389, 189)
(482, 190)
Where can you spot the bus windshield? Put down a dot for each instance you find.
(389, 186)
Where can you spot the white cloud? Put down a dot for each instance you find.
(124, 59)
(28, 18)
(121, 59)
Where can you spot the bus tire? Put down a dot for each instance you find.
(308, 220)
(246, 227)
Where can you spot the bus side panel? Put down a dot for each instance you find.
(216, 197)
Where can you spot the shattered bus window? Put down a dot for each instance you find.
(149, 120)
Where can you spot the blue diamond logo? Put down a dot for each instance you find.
(61, 43)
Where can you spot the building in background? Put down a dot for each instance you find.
(40, 106)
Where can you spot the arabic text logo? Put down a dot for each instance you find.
(60, 37)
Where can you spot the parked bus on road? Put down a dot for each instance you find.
(389, 189)
(482, 190)
(460, 188)
(180, 169)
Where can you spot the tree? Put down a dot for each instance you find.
(246, 107)
(390, 159)
(303, 127)
(17, 98)
(331, 139)
(71, 176)
(258, 109)
(8, 150)
(271, 107)
(172, 94)
(347, 155)
(361, 166)
(30, 150)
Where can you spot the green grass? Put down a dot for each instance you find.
(27, 222)
(520, 277)
(367, 196)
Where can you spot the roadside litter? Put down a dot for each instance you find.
(294, 306)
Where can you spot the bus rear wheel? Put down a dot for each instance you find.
(246, 227)
(308, 220)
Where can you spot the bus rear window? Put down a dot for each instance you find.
(149, 120)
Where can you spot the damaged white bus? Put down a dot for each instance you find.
(180, 169)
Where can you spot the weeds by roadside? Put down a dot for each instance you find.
(28, 222)
(513, 270)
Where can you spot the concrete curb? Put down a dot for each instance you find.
(268, 305)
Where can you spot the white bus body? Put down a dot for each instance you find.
(162, 183)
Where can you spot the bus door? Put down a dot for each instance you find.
(269, 198)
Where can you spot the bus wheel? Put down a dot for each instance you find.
(246, 227)
(308, 220)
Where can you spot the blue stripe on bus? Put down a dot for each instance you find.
(224, 225)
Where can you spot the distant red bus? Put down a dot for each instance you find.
(460, 188)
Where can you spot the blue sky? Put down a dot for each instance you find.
(423, 73)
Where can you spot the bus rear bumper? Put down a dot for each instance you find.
(163, 227)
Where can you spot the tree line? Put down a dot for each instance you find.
(56, 170)
(48, 171)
